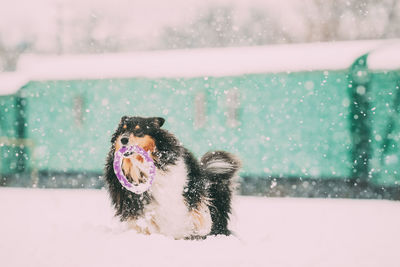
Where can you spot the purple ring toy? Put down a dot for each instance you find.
(125, 152)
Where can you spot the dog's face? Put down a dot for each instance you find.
(136, 131)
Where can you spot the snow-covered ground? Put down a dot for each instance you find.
(77, 228)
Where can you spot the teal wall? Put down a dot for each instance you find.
(7, 116)
(8, 164)
(289, 124)
(385, 115)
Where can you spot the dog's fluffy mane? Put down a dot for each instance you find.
(207, 183)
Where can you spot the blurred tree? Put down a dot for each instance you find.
(262, 28)
(214, 28)
(392, 27)
(98, 31)
(9, 55)
(322, 19)
(217, 27)
(93, 34)
(331, 20)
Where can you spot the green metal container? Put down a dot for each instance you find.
(295, 124)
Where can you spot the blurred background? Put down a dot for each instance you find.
(65, 27)
(305, 92)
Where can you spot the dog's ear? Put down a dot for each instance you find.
(117, 132)
(157, 121)
(114, 137)
(123, 119)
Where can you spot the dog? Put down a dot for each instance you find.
(189, 199)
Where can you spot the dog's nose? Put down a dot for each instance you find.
(124, 140)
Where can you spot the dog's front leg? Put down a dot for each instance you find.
(144, 225)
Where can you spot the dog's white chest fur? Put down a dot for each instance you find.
(168, 213)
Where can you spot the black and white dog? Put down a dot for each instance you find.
(188, 199)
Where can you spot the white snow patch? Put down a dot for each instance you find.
(76, 228)
(11, 82)
(203, 62)
(386, 56)
(199, 62)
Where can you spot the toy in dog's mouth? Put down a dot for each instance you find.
(145, 166)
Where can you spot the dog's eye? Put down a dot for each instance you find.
(139, 134)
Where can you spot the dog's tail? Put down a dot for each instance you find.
(220, 168)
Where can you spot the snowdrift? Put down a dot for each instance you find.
(77, 228)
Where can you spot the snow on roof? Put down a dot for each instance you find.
(385, 54)
(198, 62)
(11, 82)
(385, 57)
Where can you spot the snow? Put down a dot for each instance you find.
(385, 57)
(202, 62)
(62, 227)
(199, 62)
(11, 82)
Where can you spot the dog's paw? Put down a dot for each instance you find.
(196, 237)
